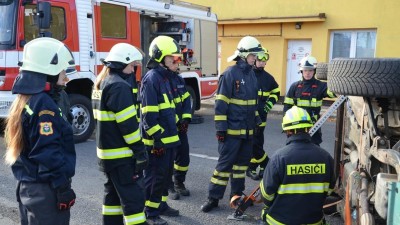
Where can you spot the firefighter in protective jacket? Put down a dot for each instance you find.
(40, 144)
(268, 94)
(308, 93)
(120, 150)
(158, 124)
(236, 117)
(298, 176)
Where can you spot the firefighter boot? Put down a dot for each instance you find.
(181, 189)
(156, 220)
(209, 205)
(252, 174)
(174, 195)
(168, 211)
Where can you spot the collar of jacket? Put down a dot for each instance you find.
(310, 81)
(244, 65)
(300, 137)
(120, 73)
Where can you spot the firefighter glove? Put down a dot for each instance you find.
(221, 136)
(183, 126)
(142, 161)
(268, 106)
(65, 197)
(158, 148)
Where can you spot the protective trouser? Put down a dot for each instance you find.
(260, 157)
(38, 205)
(123, 197)
(317, 137)
(234, 157)
(157, 178)
(182, 159)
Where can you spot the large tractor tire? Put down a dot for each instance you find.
(83, 121)
(322, 71)
(365, 77)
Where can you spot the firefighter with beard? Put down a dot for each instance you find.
(268, 94)
(308, 93)
(158, 125)
(298, 177)
(236, 117)
(120, 150)
(39, 141)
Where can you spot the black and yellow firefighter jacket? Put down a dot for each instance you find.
(158, 109)
(268, 92)
(236, 101)
(183, 108)
(296, 182)
(118, 134)
(307, 94)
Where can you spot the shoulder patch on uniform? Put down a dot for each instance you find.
(46, 112)
(46, 128)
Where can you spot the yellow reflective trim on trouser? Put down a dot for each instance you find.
(164, 198)
(153, 130)
(181, 168)
(186, 116)
(149, 108)
(263, 124)
(243, 102)
(254, 160)
(272, 221)
(134, 90)
(138, 218)
(112, 210)
(236, 167)
(115, 153)
(185, 96)
(239, 132)
(28, 110)
(125, 114)
(103, 115)
(222, 174)
(222, 98)
(219, 182)
(151, 204)
(289, 101)
(303, 188)
(238, 175)
(220, 117)
(264, 193)
(132, 137)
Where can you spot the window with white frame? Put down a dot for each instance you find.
(353, 44)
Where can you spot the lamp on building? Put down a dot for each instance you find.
(297, 26)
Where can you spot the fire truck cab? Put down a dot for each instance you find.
(91, 28)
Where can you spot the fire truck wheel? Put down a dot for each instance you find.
(193, 98)
(322, 71)
(378, 77)
(83, 121)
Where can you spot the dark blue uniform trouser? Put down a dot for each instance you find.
(259, 157)
(317, 137)
(38, 205)
(182, 159)
(157, 178)
(234, 157)
(123, 195)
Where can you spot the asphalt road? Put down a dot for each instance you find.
(88, 181)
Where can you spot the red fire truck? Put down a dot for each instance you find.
(91, 28)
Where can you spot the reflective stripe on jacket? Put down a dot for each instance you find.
(182, 102)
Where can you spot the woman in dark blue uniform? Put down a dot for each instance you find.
(40, 146)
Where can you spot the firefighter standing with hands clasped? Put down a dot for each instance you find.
(308, 93)
(236, 117)
(40, 145)
(158, 124)
(120, 150)
(298, 177)
(268, 94)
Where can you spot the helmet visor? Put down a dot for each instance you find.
(262, 56)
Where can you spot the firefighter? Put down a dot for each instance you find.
(40, 145)
(183, 110)
(308, 93)
(298, 176)
(158, 124)
(268, 94)
(120, 150)
(236, 117)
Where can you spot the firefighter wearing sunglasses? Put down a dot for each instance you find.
(268, 93)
